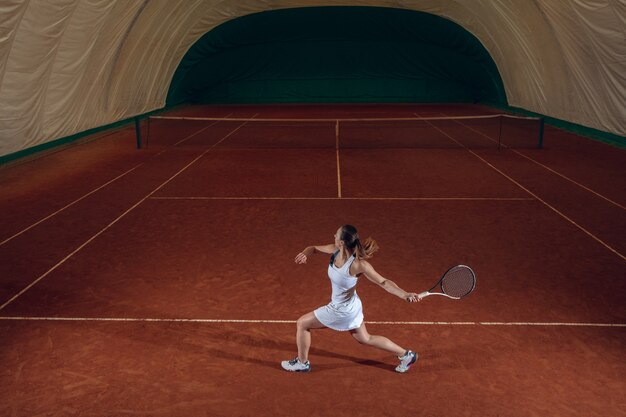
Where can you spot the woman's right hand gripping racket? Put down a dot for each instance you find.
(458, 282)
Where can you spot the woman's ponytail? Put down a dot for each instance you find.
(363, 250)
(366, 249)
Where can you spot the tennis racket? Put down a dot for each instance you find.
(458, 282)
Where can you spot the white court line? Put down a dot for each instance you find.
(192, 135)
(68, 206)
(597, 194)
(496, 323)
(587, 232)
(355, 198)
(337, 152)
(251, 321)
(62, 261)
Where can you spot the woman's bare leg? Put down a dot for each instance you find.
(380, 342)
(303, 334)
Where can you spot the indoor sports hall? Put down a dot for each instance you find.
(163, 163)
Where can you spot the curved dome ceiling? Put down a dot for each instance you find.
(337, 54)
(67, 66)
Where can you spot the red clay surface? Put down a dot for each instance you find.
(259, 172)
(425, 173)
(208, 229)
(208, 254)
(191, 369)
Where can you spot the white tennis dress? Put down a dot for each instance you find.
(345, 311)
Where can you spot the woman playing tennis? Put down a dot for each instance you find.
(345, 312)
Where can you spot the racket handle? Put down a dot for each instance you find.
(423, 294)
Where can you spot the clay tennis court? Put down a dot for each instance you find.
(160, 281)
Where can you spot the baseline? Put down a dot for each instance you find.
(263, 321)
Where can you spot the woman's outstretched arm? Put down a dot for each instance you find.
(301, 258)
(387, 284)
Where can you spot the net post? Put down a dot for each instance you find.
(138, 132)
(541, 126)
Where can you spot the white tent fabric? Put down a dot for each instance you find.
(67, 66)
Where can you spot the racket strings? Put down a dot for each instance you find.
(458, 282)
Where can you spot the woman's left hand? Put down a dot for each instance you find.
(300, 258)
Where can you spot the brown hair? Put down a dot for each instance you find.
(351, 238)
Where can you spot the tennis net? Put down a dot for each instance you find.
(472, 132)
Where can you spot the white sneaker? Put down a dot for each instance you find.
(295, 365)
(406, 361)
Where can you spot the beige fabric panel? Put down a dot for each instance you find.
(592, 39)
(70, 65)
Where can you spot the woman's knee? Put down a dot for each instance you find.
(308, 321)
(301, 323)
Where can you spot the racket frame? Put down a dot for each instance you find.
(429, 293)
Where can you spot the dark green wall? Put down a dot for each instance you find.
(337, 54)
